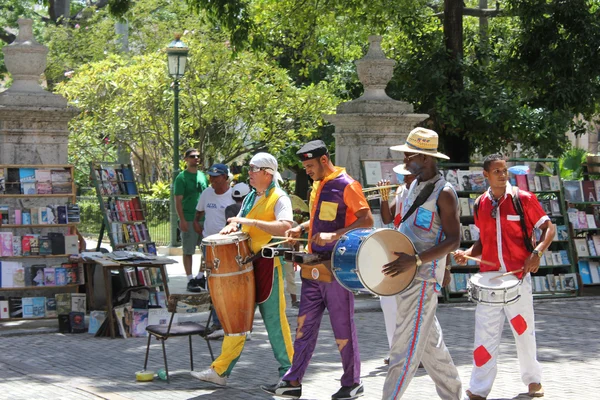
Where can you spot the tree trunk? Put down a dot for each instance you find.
(301, 184)
(455, 147)
(59, 10)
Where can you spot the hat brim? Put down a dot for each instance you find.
(407, 149)
(400, 169)
(216, 173)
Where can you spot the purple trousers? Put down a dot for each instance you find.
(315, 297)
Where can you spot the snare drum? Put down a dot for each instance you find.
(494, 290)
(226, 258)
(360, 254)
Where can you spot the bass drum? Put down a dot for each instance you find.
(360, 254)
(226, 258)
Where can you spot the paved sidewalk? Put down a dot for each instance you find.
(57, 366)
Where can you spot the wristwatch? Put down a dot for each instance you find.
(537, 253)
(418, 260)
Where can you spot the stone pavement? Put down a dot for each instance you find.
(57, 366)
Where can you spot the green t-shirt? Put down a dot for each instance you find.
(190, 185)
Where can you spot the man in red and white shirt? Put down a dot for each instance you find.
(502, 243)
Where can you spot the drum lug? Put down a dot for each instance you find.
(216, 263)
(341, 250)
(240, 261)
(343, 238)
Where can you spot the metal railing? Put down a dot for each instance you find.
(157, 219)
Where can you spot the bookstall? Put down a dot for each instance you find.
(135, 279)
(123, 215)
(583, 209)
(138, 291)
(38, 218)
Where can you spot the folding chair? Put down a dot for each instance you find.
(196, 302)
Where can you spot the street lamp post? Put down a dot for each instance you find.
(177, 53)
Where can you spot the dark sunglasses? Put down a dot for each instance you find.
(194, 156)
(254, 168)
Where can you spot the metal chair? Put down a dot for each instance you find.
(196, 302)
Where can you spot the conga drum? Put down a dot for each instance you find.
(226, 259)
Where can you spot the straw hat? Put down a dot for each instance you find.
(423, 141)
(401, 169)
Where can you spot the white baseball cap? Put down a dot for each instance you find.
(240, 190)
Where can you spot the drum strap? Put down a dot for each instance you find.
(420, 200)
(519, 209)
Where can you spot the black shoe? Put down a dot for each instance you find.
(349, 392)
(193, 286)
(202, 282)
(283, 389)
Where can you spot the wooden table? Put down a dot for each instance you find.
(108, 265)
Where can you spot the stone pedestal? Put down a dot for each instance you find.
(365, 128)
(33, 121)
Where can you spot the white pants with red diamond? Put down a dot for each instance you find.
(489, 322)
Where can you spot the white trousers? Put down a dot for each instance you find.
(418, 338)
(388, 306)
(489, 322)
(290, 276)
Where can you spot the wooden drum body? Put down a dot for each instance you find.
(226, 259)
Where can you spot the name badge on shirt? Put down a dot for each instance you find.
(513, 218)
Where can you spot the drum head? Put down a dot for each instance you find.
(219, 239)
(492, 280)
(378, 249)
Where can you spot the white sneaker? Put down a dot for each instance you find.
(248, 336)
(209, 375)
(219, 333)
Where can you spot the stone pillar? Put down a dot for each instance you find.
(33, 121)
(365, 128)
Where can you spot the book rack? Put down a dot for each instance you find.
(558, 260)
(583, 206)
(36, 258)
(123, 215)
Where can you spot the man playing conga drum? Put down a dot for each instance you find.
(430, 219)
(337, 205)
(504, 242)
(266, 212)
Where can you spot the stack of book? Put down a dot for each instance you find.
(582, 191)
(34, 244)
(28, 307)
(466, 180)
(15, 275)
(35, 181)
(115, 180)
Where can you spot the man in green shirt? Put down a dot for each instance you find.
(188, 186)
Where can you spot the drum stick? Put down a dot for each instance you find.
(289, 239)
(275, 243)
(379, 187)
(478, 260)
(508, 273)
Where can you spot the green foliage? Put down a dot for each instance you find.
(571, 164)
(160, 190)
(229, 106)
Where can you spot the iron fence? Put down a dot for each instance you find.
(157, 219)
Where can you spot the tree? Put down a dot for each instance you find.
(473, 90)
(230, 106)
